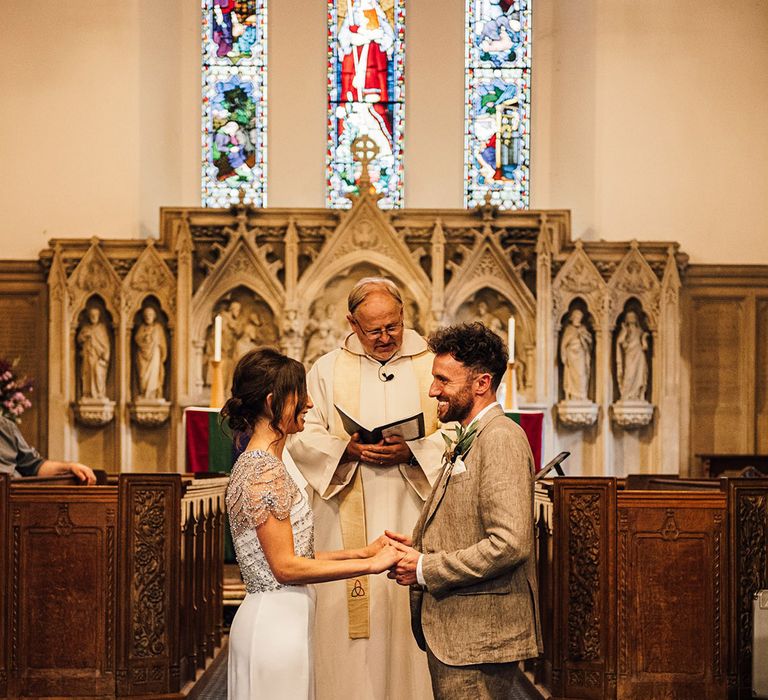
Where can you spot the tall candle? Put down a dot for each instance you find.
(511, 338)
(217, 339)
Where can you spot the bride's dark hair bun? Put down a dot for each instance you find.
(233, 412)
(261, 372)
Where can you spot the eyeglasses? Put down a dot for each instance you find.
(375, 334)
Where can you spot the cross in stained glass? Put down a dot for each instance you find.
(365, 98)
(364, 150)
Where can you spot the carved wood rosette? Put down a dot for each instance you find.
(148, 644)
(584, 636)
(748, 573)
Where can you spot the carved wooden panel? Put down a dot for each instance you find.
(672, 583)
(4, 637)
(726, 339)
(584, 629)
(722, 388)
(761, 383)
(748, 572)
(148, 647)
(24, 334)
(63, 556)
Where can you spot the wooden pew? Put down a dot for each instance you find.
(728, 464)
(645, 593)
(111, 590)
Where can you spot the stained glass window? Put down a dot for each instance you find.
(365, 97)
(234, 132)
(497, 102)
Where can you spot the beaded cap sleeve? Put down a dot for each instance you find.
(261, 486)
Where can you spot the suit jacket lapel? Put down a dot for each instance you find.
(439, 491)
(437, 494)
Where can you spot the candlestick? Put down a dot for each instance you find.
(217, 385)
(510, 395)
(217, 339)
(511, 339)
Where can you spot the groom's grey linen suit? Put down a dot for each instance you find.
(476, 535)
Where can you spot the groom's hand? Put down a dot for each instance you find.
(399, 537)
(405, 569)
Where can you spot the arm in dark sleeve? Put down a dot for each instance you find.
(28, 459)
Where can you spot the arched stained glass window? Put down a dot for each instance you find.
(365, 97)
(234, 133)
(497, 102)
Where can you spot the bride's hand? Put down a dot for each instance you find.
(375, 546)
(385, 559)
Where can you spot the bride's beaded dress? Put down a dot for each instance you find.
(270, 641)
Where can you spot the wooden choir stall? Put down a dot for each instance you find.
(113, 590)
(646, 586)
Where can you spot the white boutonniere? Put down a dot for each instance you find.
(458, 467)
(458, 447)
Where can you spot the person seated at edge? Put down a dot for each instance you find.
(18, 459)
(272, 529)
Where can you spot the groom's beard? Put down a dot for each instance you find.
(458, 406)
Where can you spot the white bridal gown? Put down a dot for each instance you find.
(270, 640)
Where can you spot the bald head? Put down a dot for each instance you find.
(372, 285)
(376, 316)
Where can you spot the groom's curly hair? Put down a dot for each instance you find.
(475, 346)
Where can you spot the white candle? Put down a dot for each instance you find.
(217, 339)
(511, 338)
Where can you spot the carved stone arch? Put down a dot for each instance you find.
(364, 235)
(149, 276)
(634, 278)
(403, 275)
(577, 278)
(238, 267)
(488, 267)
(94, 274)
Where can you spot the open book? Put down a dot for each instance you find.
(407, 428)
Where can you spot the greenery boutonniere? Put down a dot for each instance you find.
(459, 446)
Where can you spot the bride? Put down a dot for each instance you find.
(270, 639)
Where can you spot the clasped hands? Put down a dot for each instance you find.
(387, 453)
(394, 549)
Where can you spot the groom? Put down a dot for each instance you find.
(471, 566)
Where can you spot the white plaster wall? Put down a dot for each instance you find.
(648, 118)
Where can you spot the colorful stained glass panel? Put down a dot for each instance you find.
(497, 103)
(365, 97)
(234, 128)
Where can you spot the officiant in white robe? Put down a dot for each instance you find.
(364, 648)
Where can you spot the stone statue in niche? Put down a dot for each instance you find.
(323, 334)
(576, 356)
(632, 410)
(231, 330)
(291, 334)
(151, 354)
(246, 323)
(150, 407)
(631, 361)
(489, 320)
(95, 352)
(94, 408)
(249, 337)
(576, 410)
(492, 321)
